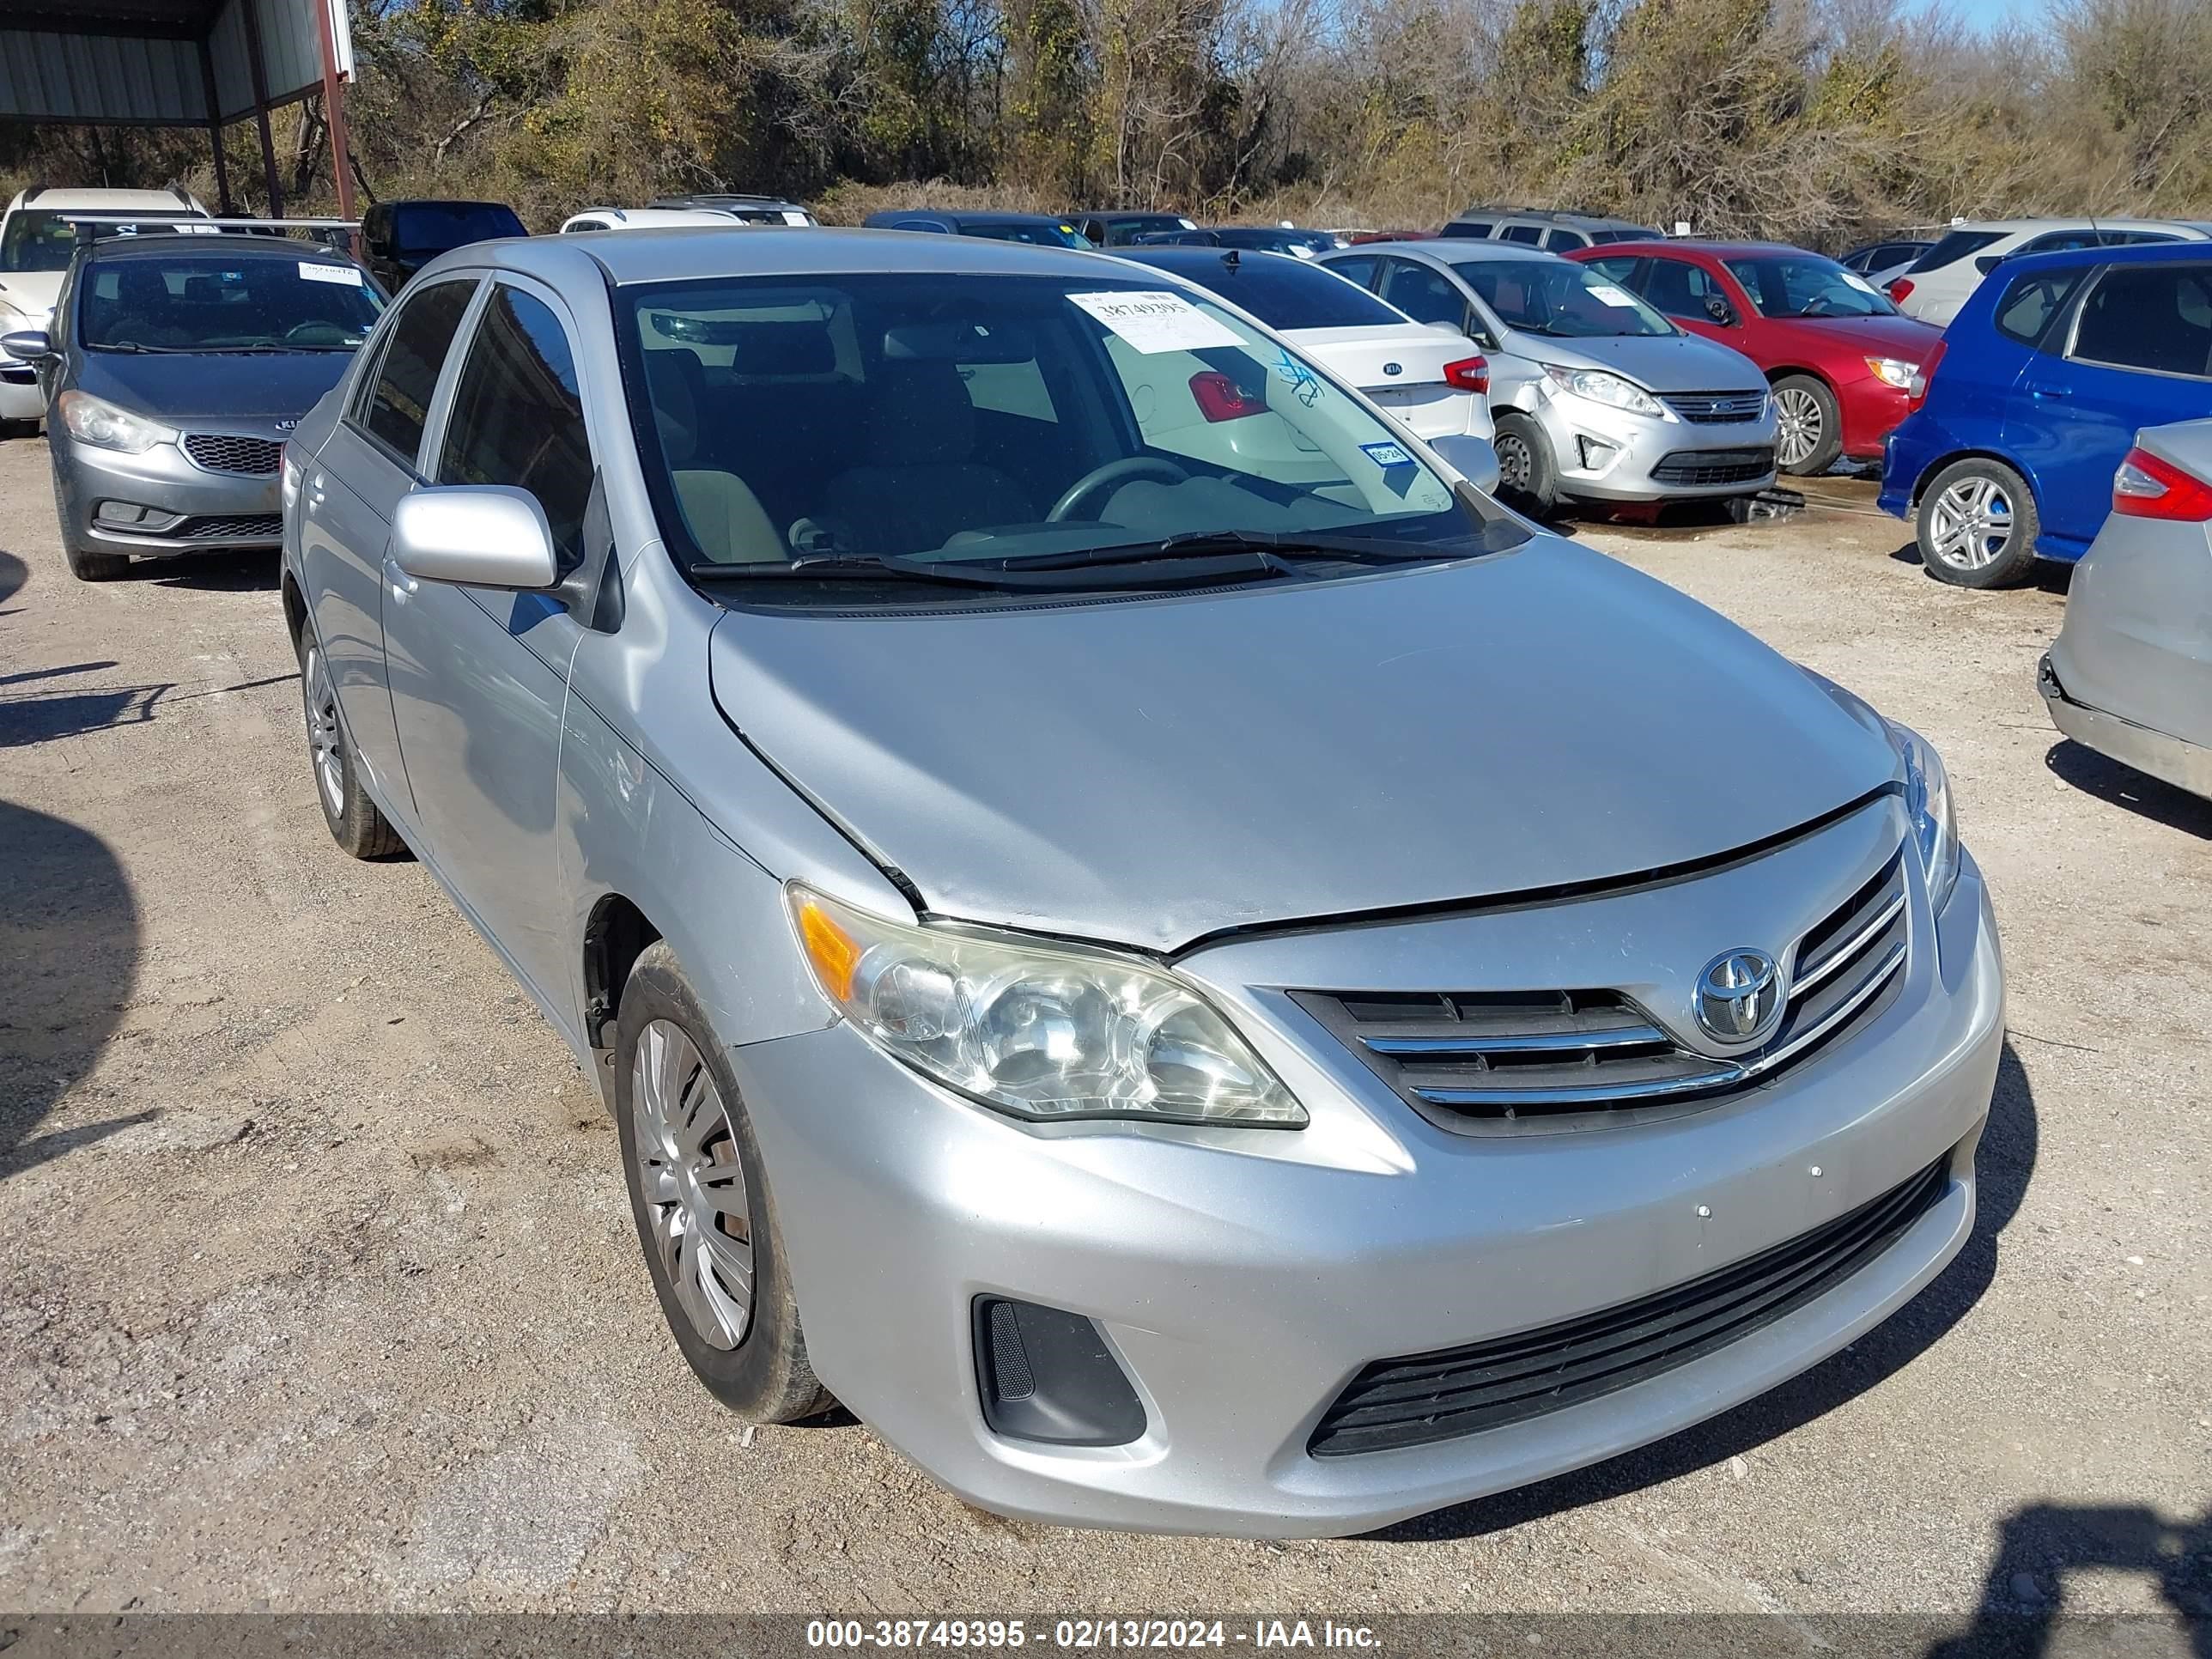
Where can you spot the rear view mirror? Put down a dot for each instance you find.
(27, 345)
(478, 536)
(1474, 459)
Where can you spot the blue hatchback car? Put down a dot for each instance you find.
(2046, 375)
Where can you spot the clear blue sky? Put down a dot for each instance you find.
(1987, 14)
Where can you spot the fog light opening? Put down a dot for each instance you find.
(1597, 454)
(121, 512)
(1047, 1375)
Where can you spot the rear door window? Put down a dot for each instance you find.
(397, 401)
(1469, 228)
(518, 415)
(1360, 270)
(2026, 313)
(1423, 295)
(1285, 293)
(1556, 239)
(1530, 235)
(1950, 249)
(1680, 288)
(2153, 317)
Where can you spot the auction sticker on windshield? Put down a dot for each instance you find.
(1156, 322)
(345, 276)
(1607, 294)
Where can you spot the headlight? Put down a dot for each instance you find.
(1037, 1031)
(1600, 387)
(1927, 799)
(1893, 371)
(94, 421)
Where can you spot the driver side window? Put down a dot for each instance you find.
(1423, 295)
(1679, 290)
(518, 415)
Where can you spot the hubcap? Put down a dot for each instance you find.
(694, 1187)
(1970, 523)
(325, 744)
(1514, 464)
(1798, 420)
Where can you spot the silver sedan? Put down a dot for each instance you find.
(1136, 929)
(2130, 672)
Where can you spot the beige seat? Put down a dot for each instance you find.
(727, 521)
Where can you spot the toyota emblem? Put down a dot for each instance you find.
(1739, 996)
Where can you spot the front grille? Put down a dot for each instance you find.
(1717, 408)
(246, 528)
(1509, 1062)
(220, 452)
(1417, 1401)
(1713, 466)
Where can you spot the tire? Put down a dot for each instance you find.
(677, 1110)
(1526, 475)
(1809, 424)
(1977, 525)
(86, 564)
(355, 821)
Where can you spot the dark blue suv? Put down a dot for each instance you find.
(2046, 374)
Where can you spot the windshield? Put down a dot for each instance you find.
(1283, 292)
(437, 227)
(1561, 299)
(967, 421)
(208, 302)
(1041, 233)
(1954, 246)
(45, 241)
(1806, 285)
(1121, 232)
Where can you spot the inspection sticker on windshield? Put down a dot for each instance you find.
(1386, 454)
(344, 276)
(1607, 294)
(1156, 322)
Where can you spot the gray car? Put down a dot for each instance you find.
(174, 368)
(1226, 982)
(1596, 396)
(2130, 672)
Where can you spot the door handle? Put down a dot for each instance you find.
(2050, 392)
(401, 584)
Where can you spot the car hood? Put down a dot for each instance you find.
(32, 292)
(1153, 771)
(1904, 338)
(221, 385)
(1664, 362)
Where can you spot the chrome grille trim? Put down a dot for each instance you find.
(1500, 1062)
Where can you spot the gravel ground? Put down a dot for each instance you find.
(317, 1289)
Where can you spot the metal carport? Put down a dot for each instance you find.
(179, 62)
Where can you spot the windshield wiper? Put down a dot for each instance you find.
(1266, 547)
(846, 566)
(1217, 561)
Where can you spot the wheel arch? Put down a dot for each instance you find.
(616, 934)
(1784, 371)
(296, 607)
(1974, 453)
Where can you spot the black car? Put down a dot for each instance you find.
(174, 367)
(1041, 230)
(400, 238)
(1883, 256)
(1120, 230)
(1255, 239)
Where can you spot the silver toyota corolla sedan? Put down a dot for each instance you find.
(1226, 982)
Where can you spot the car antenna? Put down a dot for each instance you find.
(1229, 260)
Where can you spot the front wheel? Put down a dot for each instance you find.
(1527, 476)
(700, 1198)
(1808, 426)
(1978, 525)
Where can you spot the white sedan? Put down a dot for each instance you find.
(1432, 379)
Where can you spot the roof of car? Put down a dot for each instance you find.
(228, 245)
(2023, 226)
(49, 198)
(1546, 216)
(1450, 251)
(1699, 245)
(962, 216)
(630, 218)
(1124, 213)
(2127, 254)
(1196, 258)
(691, 252)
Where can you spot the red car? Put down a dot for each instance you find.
(1838, 354)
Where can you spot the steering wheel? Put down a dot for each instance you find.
(1114, 472)
(312, 326)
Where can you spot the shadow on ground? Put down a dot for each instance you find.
(2023, 1605)
(14, 573)
(213, 573)
(2124, 787)
(68, 955)
(2003, 1167)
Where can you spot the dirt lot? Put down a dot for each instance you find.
(318, 1288)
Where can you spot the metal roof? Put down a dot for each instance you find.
(173, 62)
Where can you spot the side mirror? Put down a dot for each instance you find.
(1474, 459)
(476, 535)
(1720, 311)
(29, 345)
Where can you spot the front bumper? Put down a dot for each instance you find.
(1241, 1279)
(1870, 410)
(192, 509)
(21, 396)
(1609, 455)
